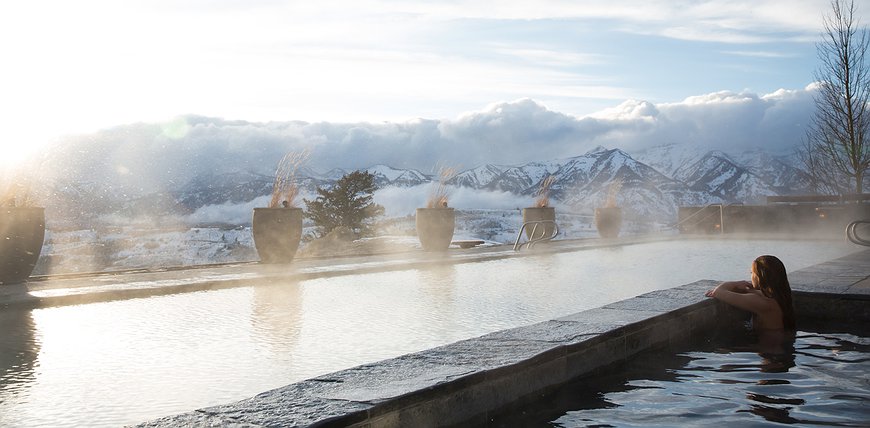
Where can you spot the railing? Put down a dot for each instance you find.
(532, 238)
(845, 198)
(852, 233)
(721, 217)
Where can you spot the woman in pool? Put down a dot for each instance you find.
(768, 296)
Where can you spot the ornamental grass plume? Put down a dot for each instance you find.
(543, 199)
(438, 197)
(285, 190)
(612, 190)
(15, 191)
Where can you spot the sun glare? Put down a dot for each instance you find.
(16, 151)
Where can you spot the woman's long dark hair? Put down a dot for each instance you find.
(773, 282)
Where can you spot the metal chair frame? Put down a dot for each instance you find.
(532, 238)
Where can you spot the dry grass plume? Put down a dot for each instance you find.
(612, 190)
(438, 197)
(543, 199)
(285, 190)
(15, 191)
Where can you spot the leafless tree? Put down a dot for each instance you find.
(837, 139)
(822, 175)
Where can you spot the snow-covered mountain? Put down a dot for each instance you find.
(582, 183)
(141, 172)
(384, 176)
(779, 172)
(589, 180)
(717, 174)
(389, 176)
(478, 177)
(522, 179)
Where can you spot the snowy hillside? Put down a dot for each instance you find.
(717, 174)
(207, 219)
(580, 183)
(210, 177)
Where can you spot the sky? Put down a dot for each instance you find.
(78, 67)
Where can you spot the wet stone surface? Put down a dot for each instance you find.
(197, 419)
(299, 404)
(688, 294)
(610, 316)
(557, 332)
(648, 304)
(481, 354)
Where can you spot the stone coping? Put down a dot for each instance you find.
(463, 382)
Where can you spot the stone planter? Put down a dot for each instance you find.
(22, 231)
(544, 230)
(608, 221)
(277, 232)
(435, 228)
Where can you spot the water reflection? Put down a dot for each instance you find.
(276, 316)
(776, 344)
(812, 378)
(437, 286)
(19, 348)
(19, 351)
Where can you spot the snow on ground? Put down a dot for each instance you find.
(138, 246)
(119, 248)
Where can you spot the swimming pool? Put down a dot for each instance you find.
(120, 362)
(822, 378)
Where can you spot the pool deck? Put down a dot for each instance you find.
(462, 383)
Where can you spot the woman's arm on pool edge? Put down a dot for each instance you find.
(740, 294)
(730, 286)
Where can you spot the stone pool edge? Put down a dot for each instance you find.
(465, 381)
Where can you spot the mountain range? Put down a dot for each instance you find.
(651, 185)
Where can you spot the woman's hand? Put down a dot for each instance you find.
(731, 286)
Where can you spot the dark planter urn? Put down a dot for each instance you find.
(543, 230)
(22, 231)
(435, 228)
(277, 232)
(608, 221)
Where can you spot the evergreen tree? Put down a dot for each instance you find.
(348, 203)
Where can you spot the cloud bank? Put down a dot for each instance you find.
(525, 130)
(143, 158)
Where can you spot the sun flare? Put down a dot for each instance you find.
(17, 149)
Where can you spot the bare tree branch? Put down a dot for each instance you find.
(836, 153)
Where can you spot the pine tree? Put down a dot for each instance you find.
(348, 203)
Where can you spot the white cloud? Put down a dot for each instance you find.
(466, 198)
(403, 201)
(227, 213)
(99, 63)
(712, 20)
(629, 110)
(506, 133)
(761, 54)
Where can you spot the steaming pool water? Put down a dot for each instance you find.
(821, 377)
(122, 362)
